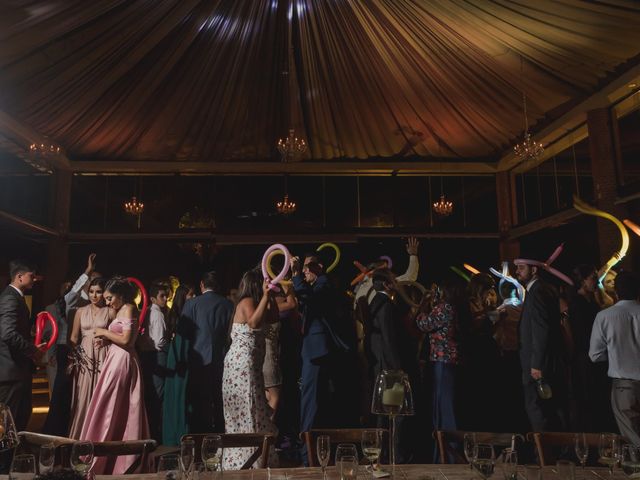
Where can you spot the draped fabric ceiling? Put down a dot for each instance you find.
(206, 80)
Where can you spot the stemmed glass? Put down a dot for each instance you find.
(372, 446)
(323, 450)
(46, 458)
(169, 467)
(631, 461)
(345, 450)
(484, 459)
(23, 467)
(212, 450)
(582, 449)
(82, 457)
(608, 450)
(469, 443)
(510, 464)
(187, 455)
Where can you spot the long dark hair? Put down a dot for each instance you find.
(251, 286)
(179, 299)
(121, 287)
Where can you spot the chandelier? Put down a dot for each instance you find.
(528, 149)
(291, 146)
(286, 207)
(134, 207)
(443, 207)
(40, 155)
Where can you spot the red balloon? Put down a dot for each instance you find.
(145, 302)
(41, 318)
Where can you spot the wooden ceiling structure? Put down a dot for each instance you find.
(375, 87)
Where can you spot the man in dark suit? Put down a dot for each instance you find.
(205, 323)
(17, 353)
(541, 349)
(319, 305)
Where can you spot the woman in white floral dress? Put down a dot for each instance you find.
(245, 405)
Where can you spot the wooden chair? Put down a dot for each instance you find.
(445, 439)
(261, 442)
(339, 435)
(31, 443)
(548, 442)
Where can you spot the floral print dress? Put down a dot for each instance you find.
(245, 404)
(441, 326)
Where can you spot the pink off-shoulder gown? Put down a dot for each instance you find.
(116, 411)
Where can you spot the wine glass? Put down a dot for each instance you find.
(82, 456)
(187, 455)
(23, 467)
(469, 443)
(169, 467)
(348, 467)
(582, 449)
(608, 450)
(323, 451)
(484, 459)
(631, 460)
(372, 446)
(345, 450)
(46, 458)
(510, 464)
(211, 451)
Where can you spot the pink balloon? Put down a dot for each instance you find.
(287, 261)
(387, 259)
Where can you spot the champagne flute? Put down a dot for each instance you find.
(23, 467)
(211, 452)
(469, 445)
(187, 455)
(82, 456)
(46, 458)
(372, 446)
(582, 449)
(631, 461)
(608, 450)
(348, 467)
(484, 459)
(323, 451)
(169, 467)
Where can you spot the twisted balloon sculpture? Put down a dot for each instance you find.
(145, 302)
(270, 271)
(41, 318)
(287, 260)
(460, 272)
(505, 276)
(587, 209)
(336, 249)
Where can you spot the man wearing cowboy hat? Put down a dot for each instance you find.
(541, 345)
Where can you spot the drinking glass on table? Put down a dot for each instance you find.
(23, 467)
(582, 449)
(169, 467)
(631, 461)
(323, 451)
(566, 470)
(608, 450)
(348, 467)
(469, 444)
(372, 446)
(345, 450)
(510, 464)
(187, 455)
(46, 458)
(211, 452)
(82, 457)
(484, 459)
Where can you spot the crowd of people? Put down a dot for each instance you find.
(538, 354)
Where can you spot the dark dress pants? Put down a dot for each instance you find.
(153, 372)
(204, 396)
(58, 418)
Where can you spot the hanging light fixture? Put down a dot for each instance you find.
(134, 206)
(442, 207)
(286, 206)
(41, 155)
(528, 149)
(291, 147)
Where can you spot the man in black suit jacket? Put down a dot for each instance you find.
(541, 350)
(16, 350)
(205, 323)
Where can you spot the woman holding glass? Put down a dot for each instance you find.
(116, 411)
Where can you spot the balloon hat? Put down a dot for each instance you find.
(546, 265)
(504, 276)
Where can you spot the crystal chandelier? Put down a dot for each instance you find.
(528, 149)
(134, 207)
(286, 207)
(40, 154)
(443, 207)
(291, 146)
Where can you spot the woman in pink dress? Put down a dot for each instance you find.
(116, 411)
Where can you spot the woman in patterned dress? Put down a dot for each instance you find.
(245, 405)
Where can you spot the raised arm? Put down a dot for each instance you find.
(411, 275)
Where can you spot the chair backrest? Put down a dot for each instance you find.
(447, 439)
(337, 435)
(549, 443)
(260, 441)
